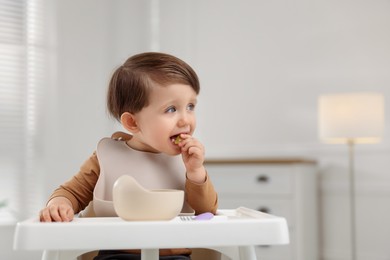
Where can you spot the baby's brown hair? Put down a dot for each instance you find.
(130, 84)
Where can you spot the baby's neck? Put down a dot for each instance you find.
(137, 145)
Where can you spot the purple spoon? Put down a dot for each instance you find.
(204, 216)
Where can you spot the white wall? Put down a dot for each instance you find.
(262, 65)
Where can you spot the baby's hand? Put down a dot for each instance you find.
(193, 157)
(59, 209)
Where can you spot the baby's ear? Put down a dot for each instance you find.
(129, 123)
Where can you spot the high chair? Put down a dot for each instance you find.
(233, 233)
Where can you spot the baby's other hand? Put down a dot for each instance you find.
(59, 209)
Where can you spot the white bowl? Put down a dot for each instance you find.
(134, 202)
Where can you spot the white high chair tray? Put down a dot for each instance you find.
(238, 227)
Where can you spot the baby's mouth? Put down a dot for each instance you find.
(176, 139)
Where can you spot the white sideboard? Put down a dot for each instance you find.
(285, 187)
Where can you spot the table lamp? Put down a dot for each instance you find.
(351, 118)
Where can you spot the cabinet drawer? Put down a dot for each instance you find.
(278, 207)
(251, 179)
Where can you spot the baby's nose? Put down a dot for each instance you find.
(183, 120)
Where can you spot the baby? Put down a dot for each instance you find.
(154, 96)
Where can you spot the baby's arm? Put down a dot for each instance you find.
(202, 197)
(57, 209)
(200, 192)
(74, 195)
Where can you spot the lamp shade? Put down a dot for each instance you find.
(355, 117)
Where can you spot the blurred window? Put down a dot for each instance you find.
(23, 59)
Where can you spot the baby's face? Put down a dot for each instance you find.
(171, 112)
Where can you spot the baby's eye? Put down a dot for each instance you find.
(191, 107)
(170, 110)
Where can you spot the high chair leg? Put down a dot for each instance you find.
(247, 253)
(149, 254)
